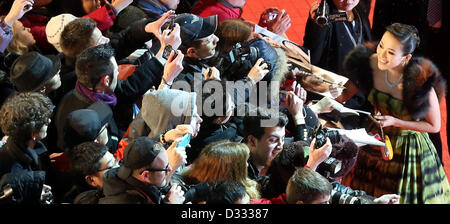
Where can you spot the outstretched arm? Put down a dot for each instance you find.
(431, 124)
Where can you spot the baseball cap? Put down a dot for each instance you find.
(194, 27)
(85, 125)
(138, 154)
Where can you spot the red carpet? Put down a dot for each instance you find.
(298, 10)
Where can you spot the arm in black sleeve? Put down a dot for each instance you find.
(132, 38)
(316, 39)
(147, 75)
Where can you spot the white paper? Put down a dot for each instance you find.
(360, 137)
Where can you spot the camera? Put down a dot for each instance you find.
(6, 195)
(331, 165)
(342, 198)
(323, 16)
(240, 60)
(321, 135)
(168, 25)
(192, 193)
(167, 50)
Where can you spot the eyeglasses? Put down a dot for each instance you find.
(160, 170)
(105, 169)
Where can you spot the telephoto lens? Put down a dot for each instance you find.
(322, 13)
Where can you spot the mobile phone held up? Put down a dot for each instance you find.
(185, 141)
(166, 52)
(168, 25)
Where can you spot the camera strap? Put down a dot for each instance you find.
(352, 38)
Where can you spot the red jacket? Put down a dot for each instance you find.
(104, 17)
(205, 8)
(281, 199)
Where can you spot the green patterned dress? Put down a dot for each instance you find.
(415, 172)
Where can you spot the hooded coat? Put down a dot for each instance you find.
(128, 191)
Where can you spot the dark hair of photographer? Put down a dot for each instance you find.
(217, 126)
(231, 32)
(292, 157)
(282, 168)
(227, 192)
(252, 124)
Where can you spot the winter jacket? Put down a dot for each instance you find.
(129, 191)
(330, 44)
(16, 157)
(221, 8)
(26, 187)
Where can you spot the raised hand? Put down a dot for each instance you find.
(18, 9)
(258, 71)
(282, 23)
(317, 156)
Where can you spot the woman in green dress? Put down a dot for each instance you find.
(405, 93)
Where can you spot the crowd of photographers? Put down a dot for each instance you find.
(110, 102)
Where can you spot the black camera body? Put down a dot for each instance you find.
(240, 60)
(331, 165)
(321, 135)
(241, 53)
(323, 16)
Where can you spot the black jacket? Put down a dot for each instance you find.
(127, 92)
(18, 158)
(330, 44)
(129, 191)
(26, 187)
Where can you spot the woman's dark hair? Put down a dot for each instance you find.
(225, 192)
(25, 113)
(232, 31)
(408, 35)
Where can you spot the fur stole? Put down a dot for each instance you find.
(420, 75)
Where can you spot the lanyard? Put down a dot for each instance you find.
(360, 31)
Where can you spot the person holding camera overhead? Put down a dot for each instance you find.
(329, 41)
(333, 29)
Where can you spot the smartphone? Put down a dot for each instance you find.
(168, 25)
(185, 141)
(166, 52)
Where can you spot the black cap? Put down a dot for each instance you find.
(194, 27)
(85, 125)
(138, 154)
(32, 71)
